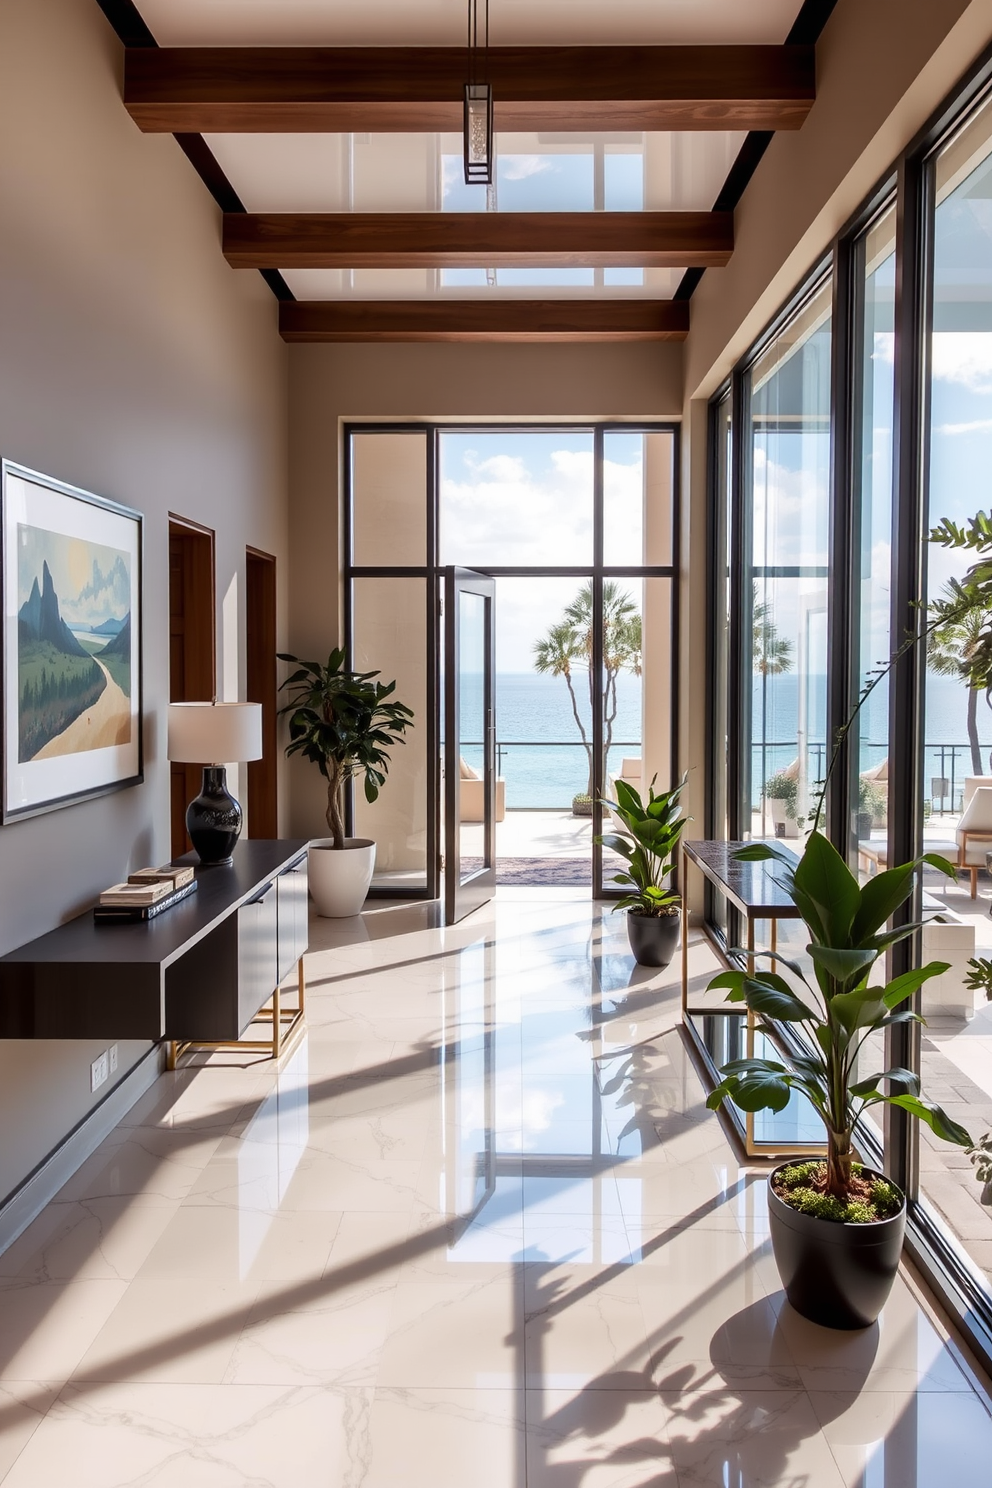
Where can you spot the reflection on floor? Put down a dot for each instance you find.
(479, 1230)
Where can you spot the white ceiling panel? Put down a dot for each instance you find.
(422, 173)
(443, 22)
(474, 284)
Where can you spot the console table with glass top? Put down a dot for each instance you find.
(752, 889)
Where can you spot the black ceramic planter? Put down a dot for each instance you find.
(653, 938)
(838, 1275)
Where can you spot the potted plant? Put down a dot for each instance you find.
(781, 792)
(342, 722)
(836, 1226)
(655, 827)
(871, 807)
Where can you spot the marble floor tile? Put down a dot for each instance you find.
(157, 1164)
(479, 1229)
(455, 1334)
(176, 1333)
(432, 1438)
(198, 1436)
(48, 1326)
(241, 1245)
(762, 1438)
(23, 1406)
(314, 1333)
(925, 1440)
(598, 1439)
(91, 1239)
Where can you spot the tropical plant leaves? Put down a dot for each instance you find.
(936, 1119)
(905, 985)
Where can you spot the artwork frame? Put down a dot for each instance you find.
(71, 582)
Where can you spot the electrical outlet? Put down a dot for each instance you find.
(99, 1071)
(113, 1059)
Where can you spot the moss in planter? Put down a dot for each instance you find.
(802, 1187)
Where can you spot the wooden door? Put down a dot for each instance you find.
(192, 649)
(260, 603)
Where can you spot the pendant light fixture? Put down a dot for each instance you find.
(478, 121)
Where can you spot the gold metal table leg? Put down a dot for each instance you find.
(749, 1146)
(685, 935)
(276, 1024)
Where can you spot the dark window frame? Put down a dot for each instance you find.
(909, 183)
(598, 571)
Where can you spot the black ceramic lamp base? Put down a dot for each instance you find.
(214, 818)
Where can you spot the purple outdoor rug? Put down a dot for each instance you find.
(545, 872)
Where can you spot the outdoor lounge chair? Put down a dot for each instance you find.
(472, 794)
(974, 833)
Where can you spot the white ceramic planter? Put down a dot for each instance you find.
(339, 880)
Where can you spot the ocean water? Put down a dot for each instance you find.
(541, 756)
(544, 763)
(948, 754)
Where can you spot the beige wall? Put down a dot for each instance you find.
(133, 363)
(331, 384)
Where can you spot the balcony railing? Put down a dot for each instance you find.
(945, 768)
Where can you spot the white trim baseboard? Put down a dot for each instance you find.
(41, 1186)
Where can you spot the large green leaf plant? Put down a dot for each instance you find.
(839, 1009)
(655, 827)
(341, 721)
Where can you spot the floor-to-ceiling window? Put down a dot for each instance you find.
(577, 527)
(788, 474)
(863, 420)
(957, 772)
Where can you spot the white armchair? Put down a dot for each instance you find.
(472, 797)
(974, 833)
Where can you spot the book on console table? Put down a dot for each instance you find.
(177, 878)
(123, 909)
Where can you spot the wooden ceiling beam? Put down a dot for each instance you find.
(484, 320)
(212, 90)
(415, 240)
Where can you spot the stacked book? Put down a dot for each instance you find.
(146, 894)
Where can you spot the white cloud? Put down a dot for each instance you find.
(973, 426)
(965, 358)
(522, 167)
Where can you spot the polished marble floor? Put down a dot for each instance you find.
(478, 1232)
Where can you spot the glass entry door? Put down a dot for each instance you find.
(469, 734)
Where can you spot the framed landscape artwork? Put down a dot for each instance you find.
(71, 644)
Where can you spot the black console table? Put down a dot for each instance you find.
(198, 974)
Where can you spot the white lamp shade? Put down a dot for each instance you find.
(215, 733)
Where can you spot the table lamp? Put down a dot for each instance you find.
(208, 732)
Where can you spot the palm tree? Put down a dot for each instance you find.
(771, 652)
(952, 652)
(567, 647)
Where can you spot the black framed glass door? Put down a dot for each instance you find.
(469, 741)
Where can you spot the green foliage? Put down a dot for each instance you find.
(54, 688)
(801, 1194)
(782, 787)
(654, 827)
(840, 1008)
(968, 600)
(771, 653)
(979, 978)
(341, 721)
(981, 1158)
(119, 668)
(871, 800)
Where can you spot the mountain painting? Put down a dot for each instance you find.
(73, 644)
